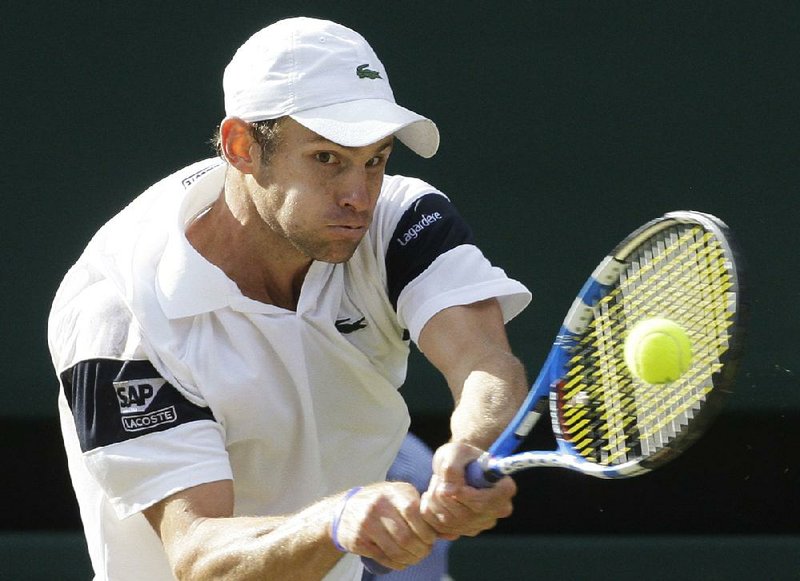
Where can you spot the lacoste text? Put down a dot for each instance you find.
(151, 420)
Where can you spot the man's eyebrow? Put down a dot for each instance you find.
(314, 138)
(389, 144)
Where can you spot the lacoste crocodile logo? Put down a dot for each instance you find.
(345, 326)
(365, 73)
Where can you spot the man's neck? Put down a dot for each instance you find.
(262, 269)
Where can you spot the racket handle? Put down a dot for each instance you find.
(374, 567)
(479, 477)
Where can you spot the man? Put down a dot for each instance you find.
(231, 344)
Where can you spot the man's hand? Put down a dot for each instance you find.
(452, 507)
(383, 522)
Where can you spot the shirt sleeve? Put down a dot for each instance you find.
(141, 439)
(432, 263)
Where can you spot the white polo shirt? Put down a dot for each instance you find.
(172, 378)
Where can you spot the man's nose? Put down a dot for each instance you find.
(355, 191)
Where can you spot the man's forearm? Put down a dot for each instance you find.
(243, 548)
(488, 400)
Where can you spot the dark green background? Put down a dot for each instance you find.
(564, 124)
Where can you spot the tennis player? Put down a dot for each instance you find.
(230, 346)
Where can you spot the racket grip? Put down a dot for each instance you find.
(374, 567)
(478, 477)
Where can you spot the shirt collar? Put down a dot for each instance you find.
(186, 283)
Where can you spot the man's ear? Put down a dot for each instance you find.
(238, 144)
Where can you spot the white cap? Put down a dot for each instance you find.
(327, 78)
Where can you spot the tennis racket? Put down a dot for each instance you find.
(606, 422)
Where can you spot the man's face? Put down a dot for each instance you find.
(320, 196)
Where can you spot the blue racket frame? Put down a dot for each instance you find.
(493, 465)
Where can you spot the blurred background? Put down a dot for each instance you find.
(565, 124)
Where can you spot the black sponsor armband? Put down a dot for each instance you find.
(113, 401)
(428, 229)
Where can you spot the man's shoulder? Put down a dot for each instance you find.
(399, 189)
(183, 179)
(89, 319)
(191, 174)
(399, 194)
(151, 206)
(96, 292)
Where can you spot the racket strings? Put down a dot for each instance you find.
(682, 273)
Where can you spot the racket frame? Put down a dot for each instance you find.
(500, 459)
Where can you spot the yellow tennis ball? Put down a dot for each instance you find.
(658, 350)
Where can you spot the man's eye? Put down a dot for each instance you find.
(375, 161)
(325, 157)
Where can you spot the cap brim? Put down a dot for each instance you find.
(366, 121)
